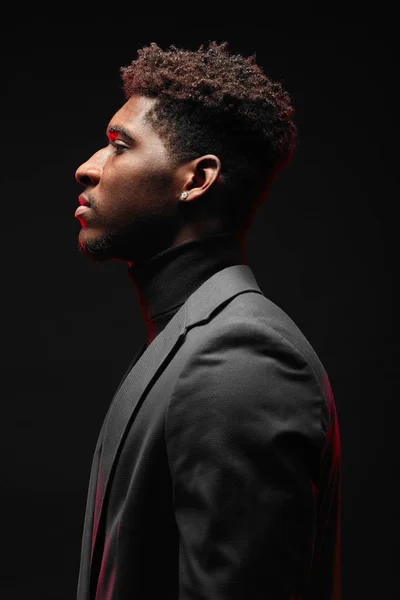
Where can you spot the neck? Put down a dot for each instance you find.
(165, 281)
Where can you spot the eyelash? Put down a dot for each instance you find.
(118, 147)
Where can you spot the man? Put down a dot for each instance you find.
(216, 475)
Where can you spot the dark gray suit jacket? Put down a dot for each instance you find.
(216, 475)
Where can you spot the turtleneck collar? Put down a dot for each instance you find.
(165, 281)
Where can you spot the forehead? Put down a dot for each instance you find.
(131, 114)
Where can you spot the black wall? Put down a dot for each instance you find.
(323, 247)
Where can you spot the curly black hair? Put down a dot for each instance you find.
(213, 101)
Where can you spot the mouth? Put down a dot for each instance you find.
(83, 201)
(81, 210)
(84, 206)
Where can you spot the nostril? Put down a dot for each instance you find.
(87, 175)
(84, 179)
(80, 175)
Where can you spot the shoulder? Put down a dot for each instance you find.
(249, 364)
(251, 326)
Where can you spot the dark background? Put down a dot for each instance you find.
(323, 247)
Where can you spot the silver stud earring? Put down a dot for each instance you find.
(184, 195)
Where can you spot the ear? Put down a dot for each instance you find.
(200, 175)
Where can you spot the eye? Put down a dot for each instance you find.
(119, 148)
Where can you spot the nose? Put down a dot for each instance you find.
(89, 172)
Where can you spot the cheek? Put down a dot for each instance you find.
(150, 183)
(158, 183)
(131, 189)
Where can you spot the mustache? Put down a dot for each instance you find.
(91, 201)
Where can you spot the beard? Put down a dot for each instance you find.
(139, 240)
(100, 249)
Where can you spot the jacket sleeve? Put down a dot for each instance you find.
(244, 434)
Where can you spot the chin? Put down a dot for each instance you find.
(99, 249)
(110, 246)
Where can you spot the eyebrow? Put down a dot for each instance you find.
(121, 130)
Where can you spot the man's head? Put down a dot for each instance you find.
(205, 122)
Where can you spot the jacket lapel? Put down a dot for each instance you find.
(86, 549)
(222, 287)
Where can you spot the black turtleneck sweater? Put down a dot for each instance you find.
(166, 280)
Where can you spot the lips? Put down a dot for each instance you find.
(84, 205)
(81, 210)
(83, 200)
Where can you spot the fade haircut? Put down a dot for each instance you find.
(211, 101)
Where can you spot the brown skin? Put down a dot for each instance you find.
(133, 191)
